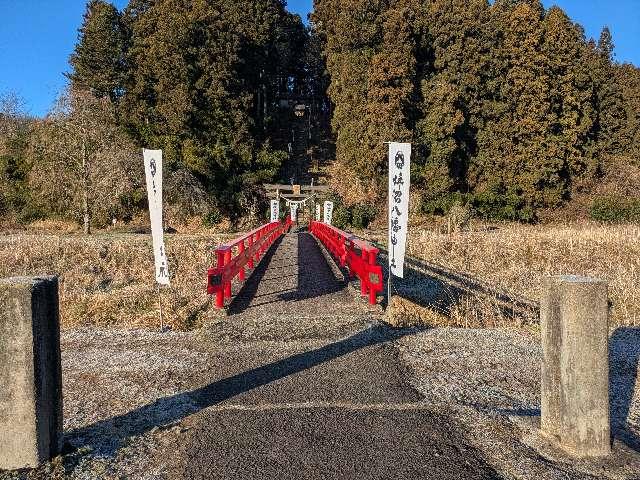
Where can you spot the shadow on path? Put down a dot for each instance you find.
(315, 278)
(106, 436)
(624, 356)
(447, 288)
(247, 292)
(296, 261)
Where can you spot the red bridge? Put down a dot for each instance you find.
(236, 259)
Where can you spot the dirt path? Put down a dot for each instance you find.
(331, 400)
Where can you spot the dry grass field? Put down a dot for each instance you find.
(510, 260)
(107, 279)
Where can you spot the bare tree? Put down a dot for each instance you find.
(12, 118)
(83, 161)
(12, 105)
(15, 127)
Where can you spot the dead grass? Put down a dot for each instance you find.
(108, 280)
(59, 226)
(513, 259)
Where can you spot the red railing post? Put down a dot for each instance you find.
(240, 252)
(258, 237)
(349, 257)
(251, 256)
(227, 284)
(220, 292)
(363, 280)
(372, 262)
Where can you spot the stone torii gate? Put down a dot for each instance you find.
(297, 193)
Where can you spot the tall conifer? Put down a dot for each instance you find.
(611, 114)
(629, 79)
(98, 61)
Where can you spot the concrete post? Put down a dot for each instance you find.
(30, 372)
(575, 370)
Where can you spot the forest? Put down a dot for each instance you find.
(509, 107)
(512, 112)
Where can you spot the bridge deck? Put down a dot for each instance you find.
(311, 387)
(293, 278)
(293, 293)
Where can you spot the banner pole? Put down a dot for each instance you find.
(160, 305)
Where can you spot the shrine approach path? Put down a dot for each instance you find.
(309, 385)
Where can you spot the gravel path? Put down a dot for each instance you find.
(490, 381)
(302, 380)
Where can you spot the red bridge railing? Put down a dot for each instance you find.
(360, 257)
(233, 258)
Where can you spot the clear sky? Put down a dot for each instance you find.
(37, 37)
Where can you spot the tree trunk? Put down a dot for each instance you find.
(85, 190)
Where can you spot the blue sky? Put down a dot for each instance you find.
(37, 37)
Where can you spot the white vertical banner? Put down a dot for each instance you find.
(153, 172)
(399, 182)
(294, 212)
(328, 212)
(318, 212)
(275, 210)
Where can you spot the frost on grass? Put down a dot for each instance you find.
(492, 276)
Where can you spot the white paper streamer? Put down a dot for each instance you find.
(399, 182)
(153, 172)
(328, 212)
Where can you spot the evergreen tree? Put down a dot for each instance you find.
(514, 149)
(453, 85)
(572, 116)
(391, 77)
(203, 82)
(506, 103)
(370, 58)
(628, 77)
(98, 59)
(611, 114)
(15, 130)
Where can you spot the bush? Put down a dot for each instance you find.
(615, 209)
(30, 213)
(341, 216)
(492, 205)
(212, 218)
(357, 216)
(362, 215)
(131, 203)
(444, 203)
